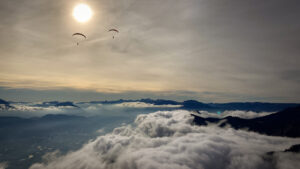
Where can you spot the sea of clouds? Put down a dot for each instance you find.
(146, 105)
(168, 140)
(92, 109)
(37, 109)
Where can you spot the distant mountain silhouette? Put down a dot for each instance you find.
(150, 101)
(283, 123)
(111, 102)
(160, 102)
(187, 105)
(212, 107)
(66, 104)
(294, 149)
(254, 106)
(4, 104)
(57, 104)
(195, 105)
(245, 106)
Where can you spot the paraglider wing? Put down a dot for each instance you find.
(79, 37)
(115, 30)
(80, 34)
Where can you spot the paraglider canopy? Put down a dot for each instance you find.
(79, 37)
(80, 34)
(115, 31)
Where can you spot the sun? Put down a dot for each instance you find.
(82, 13)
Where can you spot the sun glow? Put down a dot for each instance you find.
(82, 13)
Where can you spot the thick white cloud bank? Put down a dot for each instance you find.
(167, 140)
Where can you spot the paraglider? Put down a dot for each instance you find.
(79, 37)
(115, 31)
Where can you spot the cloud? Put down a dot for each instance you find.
(34, 110)
(23, 107)
(145, 105)
(166, 139)
(236, 113)
(284, 160)
(3, 165)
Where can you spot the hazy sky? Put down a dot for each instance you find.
(211, 50)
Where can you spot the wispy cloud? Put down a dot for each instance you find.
(145, 105)
(237, 113)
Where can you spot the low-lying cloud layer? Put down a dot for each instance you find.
(166, 139)
(33, 110)
(91, 109)
(236, 113)
(146, 105)
(37, 109)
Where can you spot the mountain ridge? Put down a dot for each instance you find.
(187, 104)
(283, 123)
